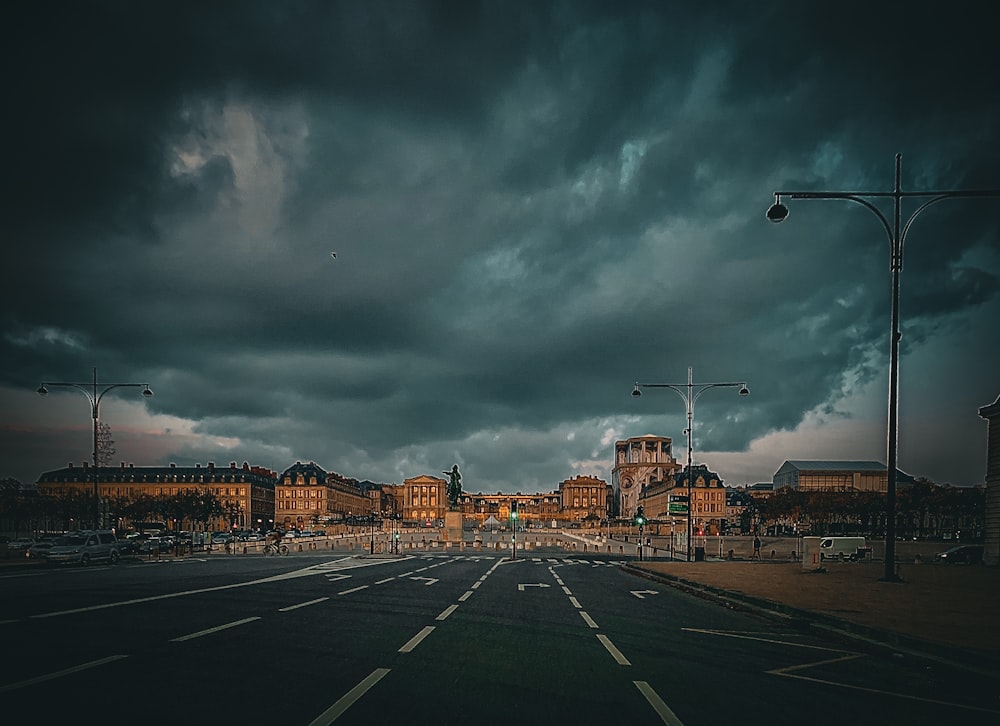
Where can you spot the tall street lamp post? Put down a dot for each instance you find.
(690, 392)
(90, 391)
(896, 231)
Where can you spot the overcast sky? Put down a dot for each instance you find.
(532, 206)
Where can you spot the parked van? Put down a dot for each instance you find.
(843, 548)
(84, 547)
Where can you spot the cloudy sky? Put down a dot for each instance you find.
(532, 206)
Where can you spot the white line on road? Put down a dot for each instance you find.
(347, 700)
(302, 604)
(200, 633)
(353, 589)
(661, 708)
(567, 590)
(382, 582)
(59, 674)
(476, 584)
(589, 620)
(415, 640)
(447, 611)
(576, 603)
(615, 653)
(466, 596)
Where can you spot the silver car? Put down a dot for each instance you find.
(84, 547)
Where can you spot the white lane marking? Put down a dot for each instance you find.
(661, 708)
(787, 674)
(353, 589)
(576, 603)
(200, 633)
(382, 582)
(313, 570)
(522, 585)
(727, 634)
(466, 596)
(476, 584)
(347, 700)
(415, 640)
(615, 653)
(447, 611)
(302, 604)
(589, 620)
(59, 674)
(641, 594)
(427, 580)
(567, 590)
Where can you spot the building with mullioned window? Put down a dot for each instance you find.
(640, 462)
(307, 497)
(246, 493)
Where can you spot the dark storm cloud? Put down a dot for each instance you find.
(532, 204)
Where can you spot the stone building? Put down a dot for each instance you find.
(307, 496)
(639, 462)
(247, 492)
(707, 500)
(425, 499)
(583, 498)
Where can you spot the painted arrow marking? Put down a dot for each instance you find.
(522, 585)
(641, 594)
(429, 580)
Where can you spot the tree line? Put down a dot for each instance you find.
(923, 510)
(25, 511)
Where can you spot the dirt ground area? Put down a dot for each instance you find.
(954, 605)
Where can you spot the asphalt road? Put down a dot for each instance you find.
(432, 638)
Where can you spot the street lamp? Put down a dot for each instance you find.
(90, 391)
(896, 233)
(688, 392)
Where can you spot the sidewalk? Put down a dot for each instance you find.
(946, 612)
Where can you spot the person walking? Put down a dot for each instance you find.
(756, 548)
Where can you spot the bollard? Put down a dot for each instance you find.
(729, 555)
(772, 554)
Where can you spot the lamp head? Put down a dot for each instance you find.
(636, 392)
(778, 212)
(42, 390)
(744, 391)
(147, 392)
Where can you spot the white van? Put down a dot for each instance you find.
(843, 548)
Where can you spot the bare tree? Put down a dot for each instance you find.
(105, 445)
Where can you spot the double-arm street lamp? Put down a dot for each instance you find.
(896, 231)
(90, 391)
(690, 392)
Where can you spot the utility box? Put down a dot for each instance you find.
(699, 554)
(811, 555)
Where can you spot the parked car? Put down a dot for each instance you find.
(84, 547)
(20, 546)
(962, 554)
(41, 546)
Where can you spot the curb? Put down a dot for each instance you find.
(988, 664)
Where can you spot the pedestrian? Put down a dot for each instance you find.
(756, 548)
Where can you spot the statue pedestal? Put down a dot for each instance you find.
(452, 531)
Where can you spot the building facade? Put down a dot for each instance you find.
(425, 500)
(707, 501)
(815, 476)
(307, 496)
(640, 462)
(246, 493)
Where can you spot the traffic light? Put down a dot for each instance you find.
(640, 517)
(513, 510)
